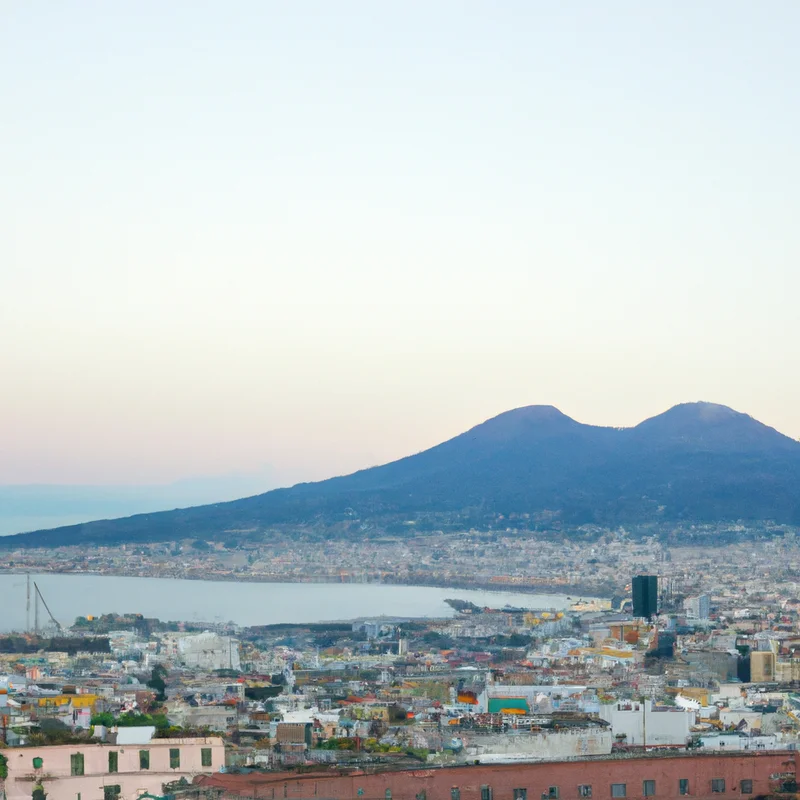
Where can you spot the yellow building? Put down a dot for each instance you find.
(762, 666)
(787, 670)
(75, 700)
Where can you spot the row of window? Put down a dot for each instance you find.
(618, 790)
(77, 761)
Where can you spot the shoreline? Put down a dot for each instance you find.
(572, 591)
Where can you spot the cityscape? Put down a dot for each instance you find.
(398, 400)
(676, 671)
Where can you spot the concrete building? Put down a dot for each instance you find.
(728, 742)
(762, 666)
(698, 607)
(787, 670)
(721, 665)
(702, 776)
(544, 745)
(208, 651)
(643, 724)
(214, 717)
(529, 699)
(106, 771)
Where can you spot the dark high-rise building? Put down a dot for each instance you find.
(645, 596)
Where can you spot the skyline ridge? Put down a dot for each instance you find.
(700, 459)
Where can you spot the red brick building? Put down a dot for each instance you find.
(679, 776)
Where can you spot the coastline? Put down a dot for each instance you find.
(573, 591)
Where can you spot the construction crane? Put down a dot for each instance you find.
(39, 597)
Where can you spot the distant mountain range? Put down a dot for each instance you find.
(695, 462)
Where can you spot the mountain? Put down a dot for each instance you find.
(697, 461)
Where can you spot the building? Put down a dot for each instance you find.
(208, 651)
(698, 607)
(720, 665)
(548, 744)
(107, 771)
(762, 666)
(700, 776)
(645, 596)
(217, 717)
(640, 723)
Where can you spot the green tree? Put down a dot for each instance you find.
(158, 683)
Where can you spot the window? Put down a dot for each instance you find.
(113, 761)
(37, 763)
(683, 786)
(584, 790)
(423, 795)
(455, 793)
(174, 758)
(205, 757)
(144, 759)
(648, 788)
(388, 794)
(718, 785)
(552, 793)
(746, 787)
(619, 790)
(76, 764)
(111, 792)
(486, 792)
(520, 794)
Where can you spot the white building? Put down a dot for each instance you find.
(698, 607)
(544, 745)
(208, 651)
(642, 724)
(731, 742)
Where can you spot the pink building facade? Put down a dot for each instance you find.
(108, 771)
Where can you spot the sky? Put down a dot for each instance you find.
(302, 238)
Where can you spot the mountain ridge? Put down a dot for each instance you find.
(700, 461)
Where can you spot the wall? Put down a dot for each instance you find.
(732, 741)
(535, 778)
(762, 666)
(640, 721)
(209, 651)
(59, 784)
(216, 718)
(734, 717)
(545, 745)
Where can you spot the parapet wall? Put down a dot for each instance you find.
(709, 776)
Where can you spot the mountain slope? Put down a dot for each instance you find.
(697, 461)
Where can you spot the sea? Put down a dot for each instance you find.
(244, 603)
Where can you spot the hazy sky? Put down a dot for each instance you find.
(321, 235)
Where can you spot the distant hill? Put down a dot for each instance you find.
(697, 461)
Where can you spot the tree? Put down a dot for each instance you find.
(157, 683)
(397, 713)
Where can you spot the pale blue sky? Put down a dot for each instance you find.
(321, 235)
